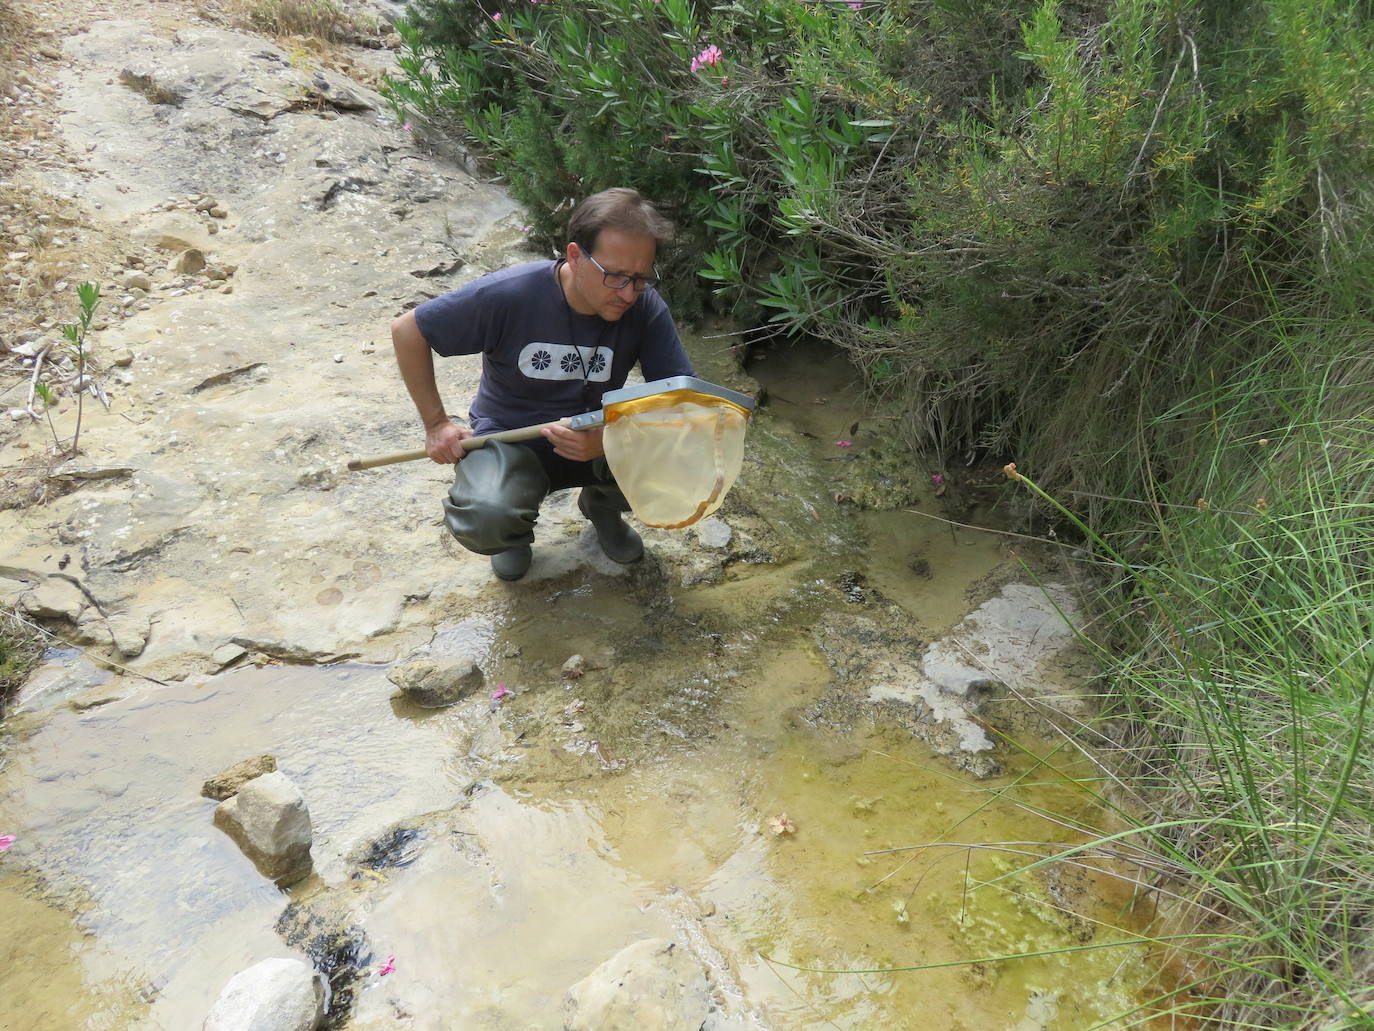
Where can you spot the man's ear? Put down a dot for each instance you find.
(573, 252)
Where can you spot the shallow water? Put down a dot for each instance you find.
(579, 815)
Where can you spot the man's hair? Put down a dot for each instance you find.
(621, 209)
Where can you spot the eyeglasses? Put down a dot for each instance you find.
(618, 280)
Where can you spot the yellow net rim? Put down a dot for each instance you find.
(668, 397)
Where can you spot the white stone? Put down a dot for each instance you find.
(652, 985)
(713, 533)
(274, 995)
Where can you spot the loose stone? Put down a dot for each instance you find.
(434, 683)
(274, 995)
(269, 820)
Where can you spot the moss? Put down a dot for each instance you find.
(884, 475)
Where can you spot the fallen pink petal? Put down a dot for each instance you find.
(844, 443)
(499, 693)
(6, 840)
(389, 967)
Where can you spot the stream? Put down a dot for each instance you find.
(499, 851)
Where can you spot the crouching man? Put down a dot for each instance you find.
(554, 336)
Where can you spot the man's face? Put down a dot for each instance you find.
(620, 254)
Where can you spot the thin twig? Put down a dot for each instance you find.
(33, 379)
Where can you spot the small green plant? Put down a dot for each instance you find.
(49, 399)
(89, 296)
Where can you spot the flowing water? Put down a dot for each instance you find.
(500, 851)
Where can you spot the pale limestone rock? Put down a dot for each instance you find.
(652, 985)
(226, 654)
(134, 279)
(574, 667)
(91, 629)
(130, 634)
(53, 598)
(274, 995)
(189, 261)
(270, 822)
(434, 683)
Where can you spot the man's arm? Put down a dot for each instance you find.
(416, 363)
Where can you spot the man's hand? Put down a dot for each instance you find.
(576, 445)
(441, 442)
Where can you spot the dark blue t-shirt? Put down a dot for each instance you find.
(540, 359)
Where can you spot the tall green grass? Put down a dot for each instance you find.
(1240, 667)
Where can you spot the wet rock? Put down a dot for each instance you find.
(324, 927)
(59, 680)
(227, 784)
(398, 847)
(713, 533)
(1002, 642)
(652, 985)
(274, 995)
(269, 820)
(53, 598)
(434, 683)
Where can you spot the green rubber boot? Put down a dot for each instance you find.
(513, 563)
(618, 540)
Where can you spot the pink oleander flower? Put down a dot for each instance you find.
(6, 840)
(407, 127)
(389, 967)
(710, 56)
(856, 5)
(844, 443)
(500, 693)
(937, 479)
(496, 16)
